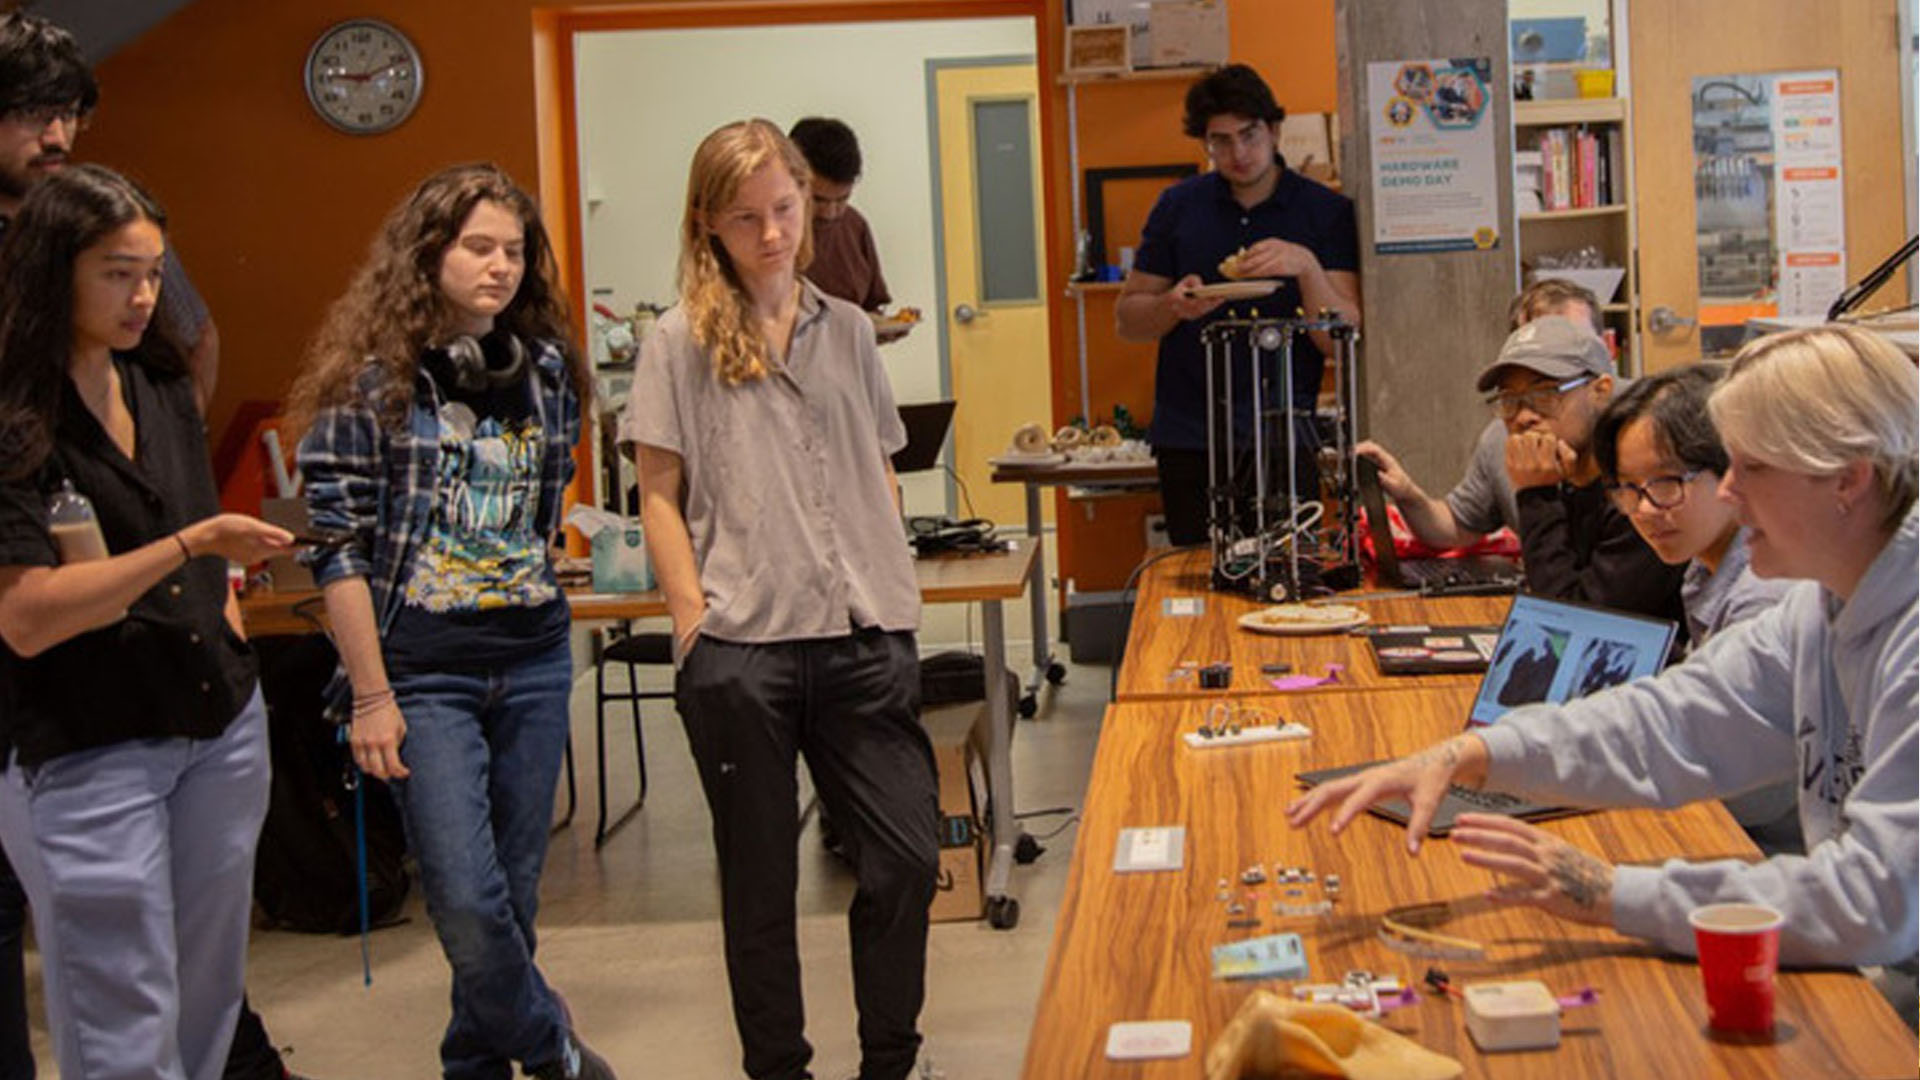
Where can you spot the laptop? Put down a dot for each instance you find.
(1548, 651)
(927, 424)
(1477, 575)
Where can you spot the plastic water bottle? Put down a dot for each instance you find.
(75, 528)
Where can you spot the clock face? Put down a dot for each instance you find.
(364, 76)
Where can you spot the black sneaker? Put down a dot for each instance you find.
(576, 1063)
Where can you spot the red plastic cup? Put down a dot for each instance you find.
(1739, 954)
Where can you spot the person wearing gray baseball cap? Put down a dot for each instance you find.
(1535, 471)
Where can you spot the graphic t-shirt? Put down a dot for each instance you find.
(479, 589)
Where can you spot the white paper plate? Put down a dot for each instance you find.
(1012, 460)
(1328, 619)
(1236, 290)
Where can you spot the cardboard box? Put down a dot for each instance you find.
(1187, 33)
(958, 735)
(960, 894)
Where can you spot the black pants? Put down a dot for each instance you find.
(253, 1056)
(16, 1049)
(1183, 484)
(851, 705)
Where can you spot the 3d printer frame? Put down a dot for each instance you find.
(1270, 539)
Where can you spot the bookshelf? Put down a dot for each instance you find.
(1584, 171)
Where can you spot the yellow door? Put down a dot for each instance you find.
(992, 271)
(1675, 44)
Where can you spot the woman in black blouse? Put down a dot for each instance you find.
(132, 735)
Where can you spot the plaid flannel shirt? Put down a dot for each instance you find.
(364, 479)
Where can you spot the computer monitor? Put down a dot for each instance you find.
(927, 424)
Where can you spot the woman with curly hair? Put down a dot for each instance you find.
(130, 804)
(442, 402)
(763, 424)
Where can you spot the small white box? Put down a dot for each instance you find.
(1519, 1015)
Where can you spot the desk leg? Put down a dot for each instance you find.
(1045, 670)
(1003, 911)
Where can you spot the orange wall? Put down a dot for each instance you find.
(272, 209)
(1291, 44)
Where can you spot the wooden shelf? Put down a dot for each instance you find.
(1569, 111)
(1615, 309)
(1570, 215)
(1078, 287)
(1142, 75)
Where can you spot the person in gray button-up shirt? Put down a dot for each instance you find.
(762, 424)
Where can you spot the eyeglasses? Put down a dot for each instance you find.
(1224, 142)
(1661, 492)
(37, 117)
(1544, 400)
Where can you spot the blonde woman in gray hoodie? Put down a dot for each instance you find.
(1823, 689)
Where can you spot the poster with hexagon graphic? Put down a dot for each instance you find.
(1435, 187)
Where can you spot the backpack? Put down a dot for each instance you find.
(304, 871)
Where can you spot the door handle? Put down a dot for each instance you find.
(966, 313)
(1665, 320)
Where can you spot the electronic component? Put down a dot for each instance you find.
(1216, 676)
(1520, 1015)
(1200, 740)
(1277, 956)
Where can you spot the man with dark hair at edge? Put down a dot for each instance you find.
(47, 94)
(846, 263)
(1274, 223)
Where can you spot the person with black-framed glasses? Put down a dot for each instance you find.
(1661, 460)
(1548, 386)
(1252, 215)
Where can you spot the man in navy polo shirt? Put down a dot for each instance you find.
(1283, 225)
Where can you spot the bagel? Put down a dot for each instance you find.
(1104, 435)
(1230, 266)
(1030, 439)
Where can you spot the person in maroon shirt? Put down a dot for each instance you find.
(845, 262)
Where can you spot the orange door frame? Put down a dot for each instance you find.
(557, 111)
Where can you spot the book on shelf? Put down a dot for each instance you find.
(1577, 168)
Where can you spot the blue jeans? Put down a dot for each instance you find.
(484, 747)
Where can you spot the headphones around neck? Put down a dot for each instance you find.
(475, 365)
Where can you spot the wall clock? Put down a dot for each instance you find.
(363, 76)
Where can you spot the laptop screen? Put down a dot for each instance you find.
(1373, 501)
(926, 425)
(1555, 651)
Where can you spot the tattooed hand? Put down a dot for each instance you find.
(1537, 867)
(1421, 779)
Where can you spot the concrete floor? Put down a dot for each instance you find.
(631, 934)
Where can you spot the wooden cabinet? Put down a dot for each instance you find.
(1600, 210)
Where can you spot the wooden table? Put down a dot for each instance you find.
(1137, 946)
(1130, 476)
(988, 579)
(1157, 644)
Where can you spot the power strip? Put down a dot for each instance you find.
(1264, 733)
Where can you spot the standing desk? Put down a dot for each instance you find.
(1137, 946)
(1116, 477)
(990, 579)
(1157, 644)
